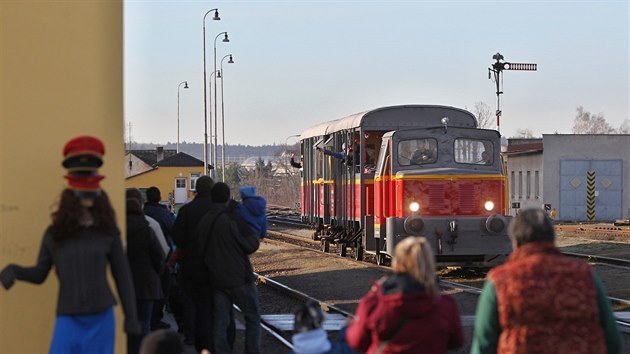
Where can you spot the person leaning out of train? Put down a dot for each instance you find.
(294, 163)
(336, 154)
(405, 312)
(310, 337)
(549, 303)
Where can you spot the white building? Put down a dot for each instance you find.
(586, 177)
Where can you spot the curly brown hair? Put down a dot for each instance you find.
(66, 220)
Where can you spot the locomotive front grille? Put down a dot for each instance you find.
(437, 197)
(466, 198)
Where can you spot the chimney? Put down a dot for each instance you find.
(160, 153)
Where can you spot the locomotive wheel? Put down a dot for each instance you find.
(341, 249)
(358, 252)
(325, 246)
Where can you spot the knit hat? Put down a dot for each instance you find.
(220, 193)
(162, 341)
(308, 317)
(82, 157)
(203, 184)
(247, 192)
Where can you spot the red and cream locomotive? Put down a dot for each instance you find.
(373, 178)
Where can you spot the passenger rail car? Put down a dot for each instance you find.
(375, 177)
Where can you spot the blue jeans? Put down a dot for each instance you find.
(246, 298)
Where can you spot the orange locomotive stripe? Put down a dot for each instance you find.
(330, 181)
(449, 177)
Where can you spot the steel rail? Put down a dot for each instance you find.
(600, 259)
(301, 296)
(270, 329)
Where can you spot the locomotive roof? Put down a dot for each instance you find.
(395, 117)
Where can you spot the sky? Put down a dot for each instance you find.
(301, 63)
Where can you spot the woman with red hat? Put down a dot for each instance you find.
(80, 242)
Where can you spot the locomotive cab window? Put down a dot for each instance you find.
(473, 151)
(417, 152)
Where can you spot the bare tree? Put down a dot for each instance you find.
(588, 123)
(484, 115)
(624, 128)
(525, 133)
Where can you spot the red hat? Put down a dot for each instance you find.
(85, 184)
(83, 153)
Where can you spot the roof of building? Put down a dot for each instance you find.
(524, 148)
(180, 159)
(150, 156)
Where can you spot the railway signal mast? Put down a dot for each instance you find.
(497, 68)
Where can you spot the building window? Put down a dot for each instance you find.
(520, 184)
(536, 184)
(512, 184)
(528, 187)
(180, 183)
(193, 180)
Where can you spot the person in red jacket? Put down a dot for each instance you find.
(405, 312)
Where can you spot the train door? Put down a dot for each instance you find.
(382, 194)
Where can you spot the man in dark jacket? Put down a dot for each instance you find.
(160, 213)
(183, 234)
(229, 242)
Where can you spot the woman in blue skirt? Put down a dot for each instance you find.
(81, 241)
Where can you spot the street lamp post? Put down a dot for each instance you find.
(225, 39)
(216, 75)
(178, 87)
(286, 142)
(231, 61)
(205, 95)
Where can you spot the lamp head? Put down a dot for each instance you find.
(445, 123)
(185, 84)
(219, 74)
(216, 15)
(497, 56)
(226, 39)
(231, 61)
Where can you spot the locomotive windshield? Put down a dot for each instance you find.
(417, 151)
(473, 151)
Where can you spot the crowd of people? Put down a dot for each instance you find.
(197, 265)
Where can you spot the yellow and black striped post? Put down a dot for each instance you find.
(590, 195)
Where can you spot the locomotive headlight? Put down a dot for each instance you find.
(414, 207)
(489, 205)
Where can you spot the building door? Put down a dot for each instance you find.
(181, 193)
(590, 190)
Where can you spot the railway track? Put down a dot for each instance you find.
(618, 303)
(279, 324)
(279, 219)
